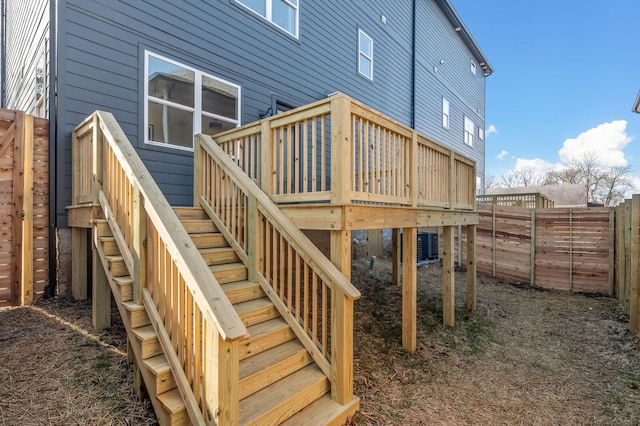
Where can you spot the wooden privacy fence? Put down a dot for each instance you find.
(627, 254)
(24, 211)
(562, 249)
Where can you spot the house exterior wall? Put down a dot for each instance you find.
(101, 47)
(27, 49)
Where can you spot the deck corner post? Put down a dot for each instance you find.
(341, 347)
(448, 276)
(413, 169)
(396, 259)
(452, 179)
(341, 146)
(409, 288)
(267, 151)
(471, 268)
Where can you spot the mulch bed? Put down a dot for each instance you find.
(524, 357)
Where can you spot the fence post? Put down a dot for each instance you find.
(532, 242)
(493, 240)
(570, 249)
(27, 209)
(612, 249)
(633, 290)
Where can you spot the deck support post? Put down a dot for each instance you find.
(101, 294)
(79, 267)
(409, 288)
(448, 276)
(396, 260)
(340, 251)
(471, 268)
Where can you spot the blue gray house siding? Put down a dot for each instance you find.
(101, 48)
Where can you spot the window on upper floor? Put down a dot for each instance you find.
(473, 67)
(181, 101)
(480, 133)
(365, 55)
(468, 131)
(445, 113)
(283, 13)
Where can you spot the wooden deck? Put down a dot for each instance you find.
(229, 304)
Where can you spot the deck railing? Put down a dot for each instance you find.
(341, 151)
(311, 294)
(170, 276)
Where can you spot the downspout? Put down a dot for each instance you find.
(413, 66)
(50, 289)
(3, 55)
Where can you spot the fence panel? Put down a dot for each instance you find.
(24, 211)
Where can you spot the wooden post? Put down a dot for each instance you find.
(221, 378)
(620, 252)
(96, 155)
(452, 179)
(396, 272)
(197, 171)
(493, 240)
(570, 250)
(17, 211)
(413, 169)
(612, 250)
(268, 168)
(341, 347)
(139, 246)
(79, 260)
(101, 295)
(471, 268)
(459, 245)
(635, 240)
(627, 249)
(448, 285)
(409, 288)
(26, 277)
(341, 185)
(532, 249)
(340, 251)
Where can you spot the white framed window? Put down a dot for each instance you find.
(365, 55)
(181, 101)
(283, 13)
(468, 131)
(445, 113)
(480, 133)
(473, 67)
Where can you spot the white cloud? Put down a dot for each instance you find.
(537, 165)
(491, 129)
(502, 154)
(606, 141)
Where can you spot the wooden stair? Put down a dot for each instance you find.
(279, 381)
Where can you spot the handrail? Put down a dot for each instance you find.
(202, 326)
(312, 295)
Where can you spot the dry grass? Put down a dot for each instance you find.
(55, 370)
(524, 357)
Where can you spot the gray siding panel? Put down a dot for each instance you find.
(102, 44)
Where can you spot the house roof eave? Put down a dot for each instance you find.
(636, 105)
(465, 35)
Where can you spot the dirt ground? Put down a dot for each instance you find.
(525, 357)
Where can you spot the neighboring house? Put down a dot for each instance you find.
(170, 69)
(566, 195)
(636, 105)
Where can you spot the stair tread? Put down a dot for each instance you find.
(126, 279)
(242, 291)
(274, 355)
(256, 311)
(265, 335)
(227, 266)
(280, 400)
(157, 364)
(190, 213)
(199, 226)
(172, 401)
(132, 306)
(260, 371)
(145, 333)
(324, 411)
(219, 255)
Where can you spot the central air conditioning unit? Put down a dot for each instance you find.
(427, 246)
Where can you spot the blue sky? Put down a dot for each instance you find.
(566, 74)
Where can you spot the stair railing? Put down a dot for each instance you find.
(199, 328)
(313, 296)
